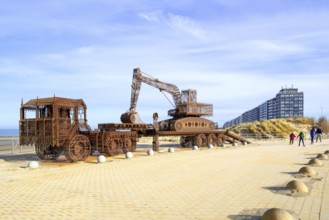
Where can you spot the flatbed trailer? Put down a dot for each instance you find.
(188, 138)
(201, 139)
(216, 137)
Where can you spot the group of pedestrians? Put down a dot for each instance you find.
(314, 133)
(317, 134)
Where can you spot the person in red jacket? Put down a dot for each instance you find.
(292, 138)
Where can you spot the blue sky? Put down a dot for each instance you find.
(236, 54)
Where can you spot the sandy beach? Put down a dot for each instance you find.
(222, 183)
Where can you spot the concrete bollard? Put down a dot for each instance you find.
(277, 214)
(307, 171)
(322, 157)
(297, 185)
(210, 146)
(315, 162)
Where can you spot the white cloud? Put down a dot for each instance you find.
(175, 22)
(234, 60)
(186, 24)
(268, 46)
(155, 16)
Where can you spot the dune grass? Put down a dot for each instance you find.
(275, 127)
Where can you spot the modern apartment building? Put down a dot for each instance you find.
(286, 104)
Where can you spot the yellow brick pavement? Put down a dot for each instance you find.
(230, 183)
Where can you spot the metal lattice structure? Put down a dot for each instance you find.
(186, 118)
(58, 126)
(185, 101)
(52, 125)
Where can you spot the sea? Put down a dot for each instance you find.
(9, 132)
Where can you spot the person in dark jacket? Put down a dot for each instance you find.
(301, 138)
(318, 134)
(312, 133)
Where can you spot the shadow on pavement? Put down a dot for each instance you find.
(245, 217)
(19, 157)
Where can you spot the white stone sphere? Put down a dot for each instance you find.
(223, 145)
(195, 147)
(210, 146)
(33, 164)
(129, 155)
(245, 143)
(235, 144)
(171, 150)
(101, 159)
(150, 152)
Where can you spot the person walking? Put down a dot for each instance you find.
(292, 138)
(318, 133)
(301, 138)
(312, 133)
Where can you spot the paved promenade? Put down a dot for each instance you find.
(221, 183)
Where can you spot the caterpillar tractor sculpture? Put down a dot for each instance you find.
(185, 119)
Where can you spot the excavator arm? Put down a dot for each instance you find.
(185, 101)
(138, 79)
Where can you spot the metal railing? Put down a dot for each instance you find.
(10, 145)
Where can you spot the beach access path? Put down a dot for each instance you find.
(221, 183)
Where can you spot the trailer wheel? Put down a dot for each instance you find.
(112, 148)
(212, 139)
(78, 149)
(220, 140)
(53, 152)
(127, 145)
(184, 141)
(48, 152)
(200, 140)
(134, 146)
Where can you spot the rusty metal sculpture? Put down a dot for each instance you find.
(185, 103)
(59, 125)
(55, 125)
(52, 125)
(186, 118)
